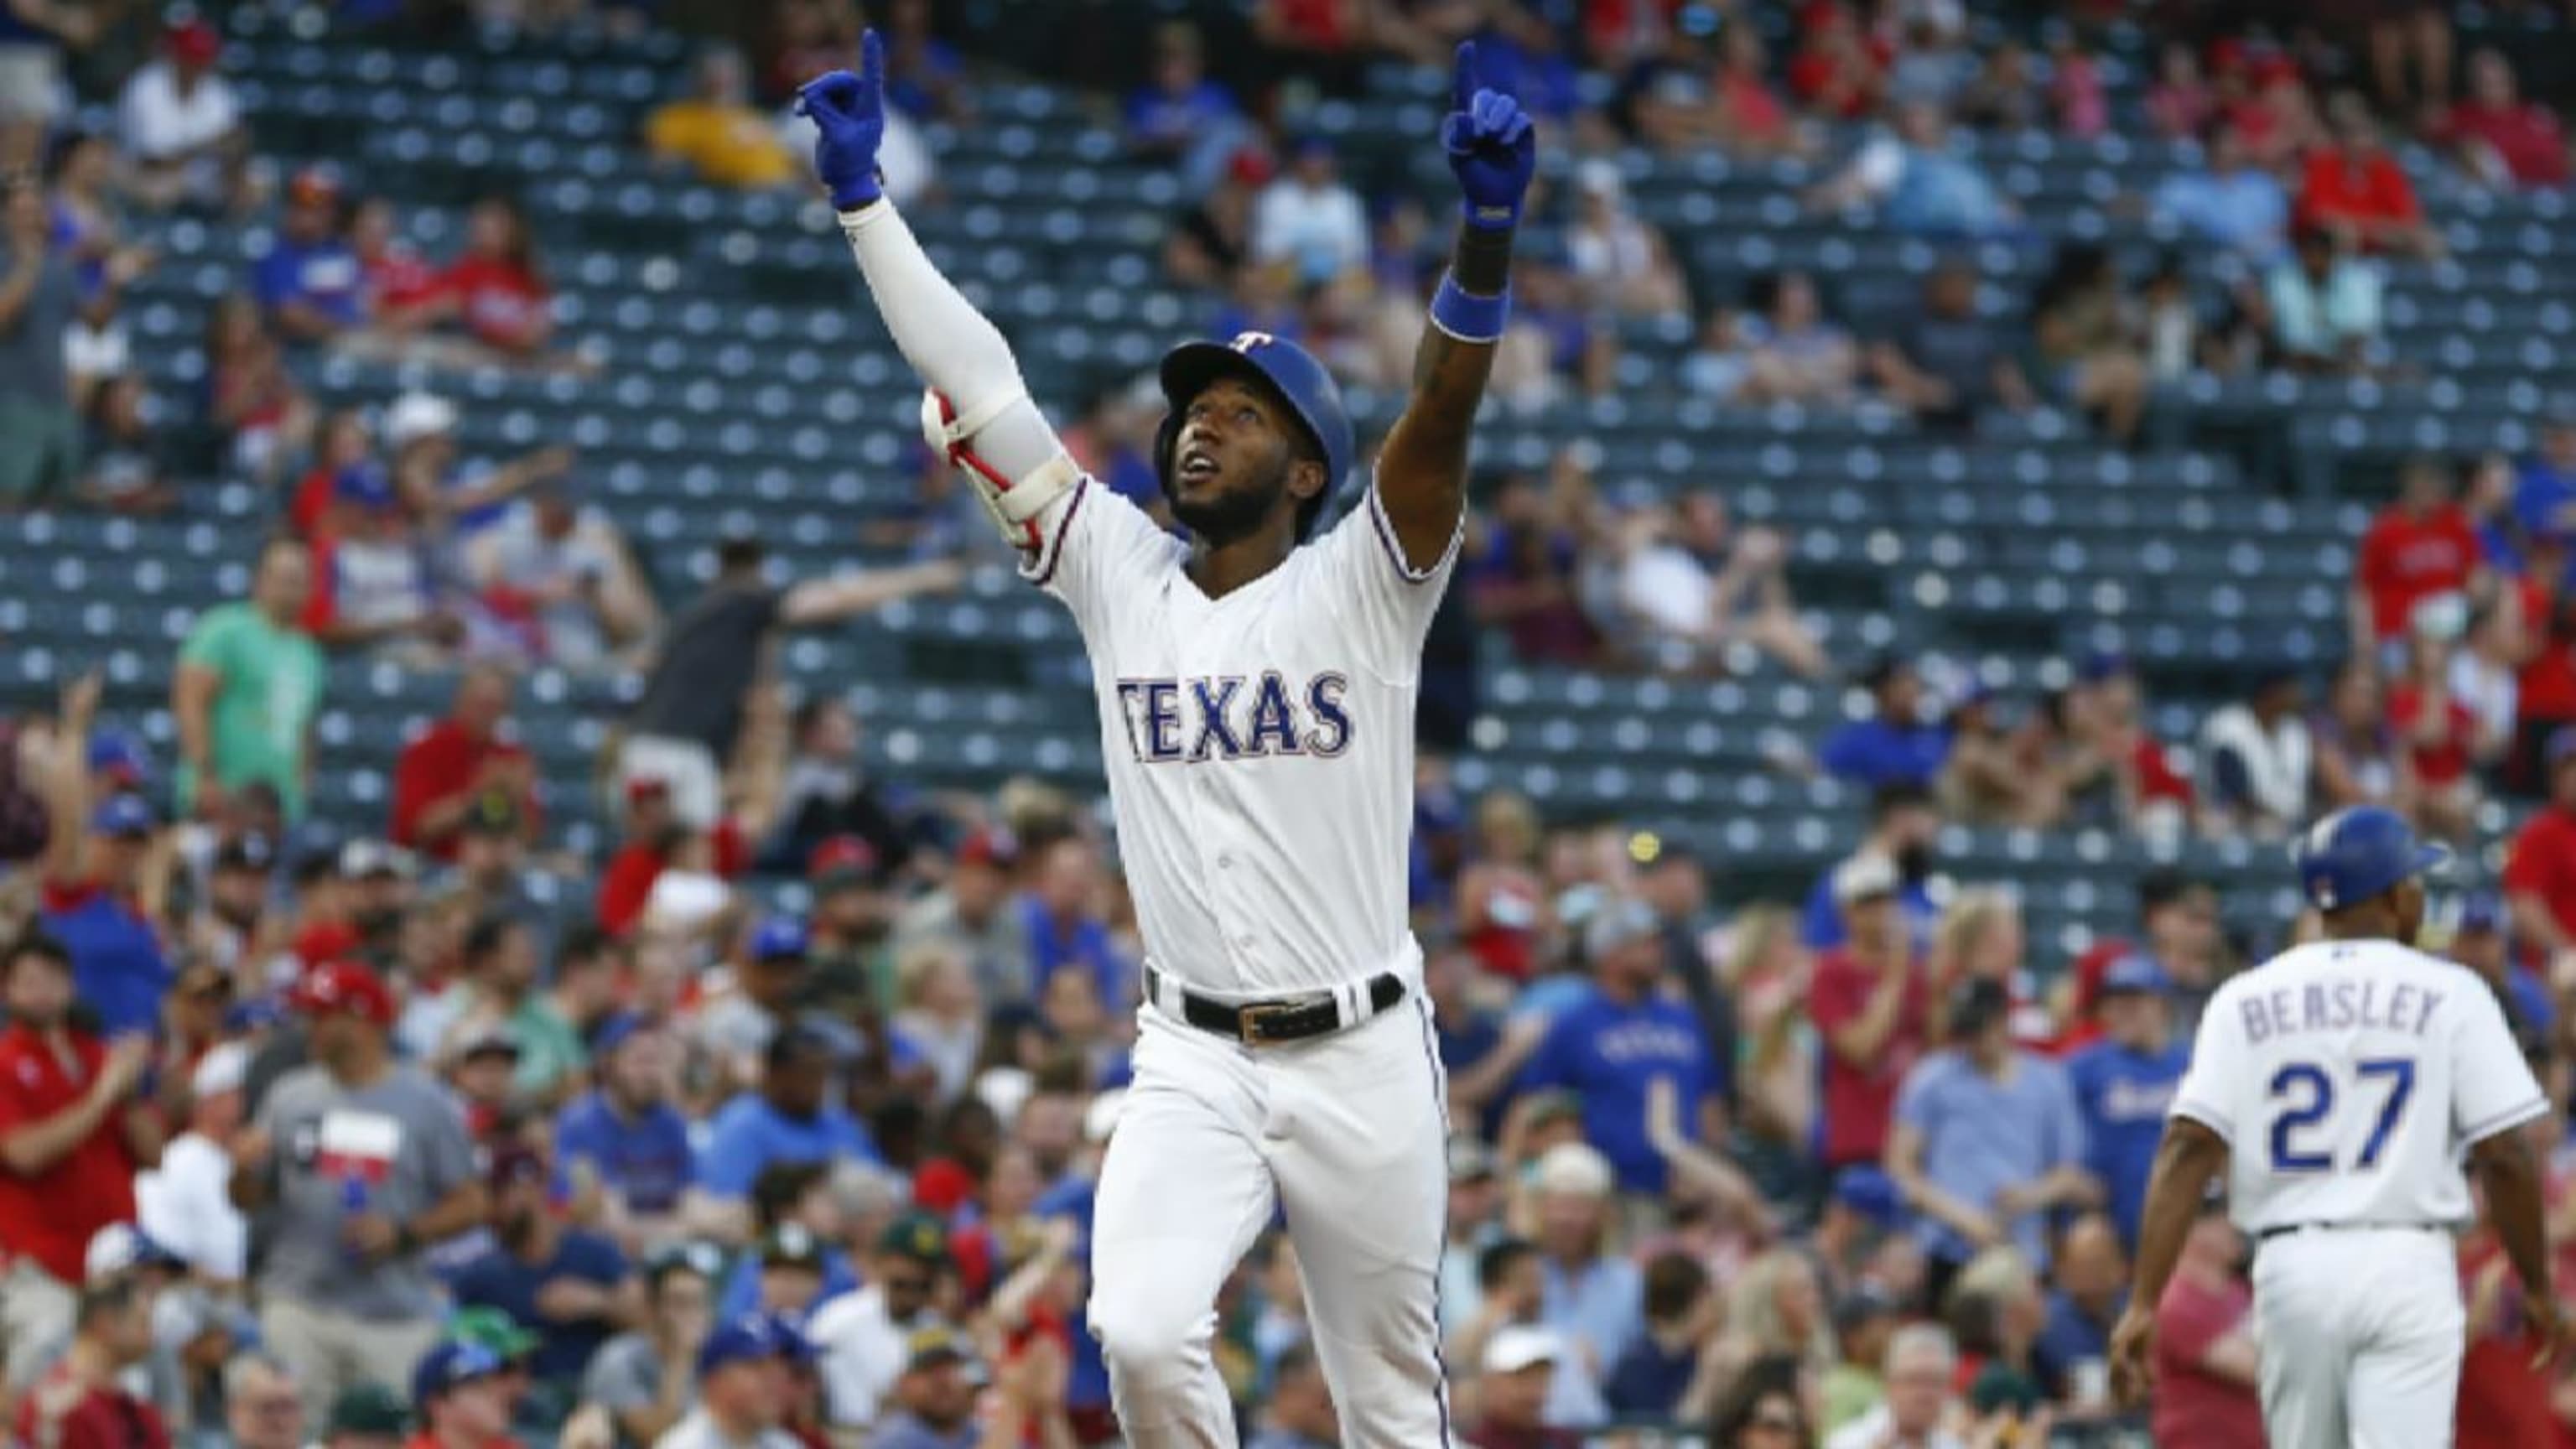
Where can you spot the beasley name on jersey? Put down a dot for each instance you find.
(2347, 1077)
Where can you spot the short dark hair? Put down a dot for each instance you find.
(584, 941)
(1674, 1283)
(2166, 885)
(739, 554)
(782, 1185)
(487, 933)
(1497, 1261)
(39, 942)
(791, 1042)
(1887, 799)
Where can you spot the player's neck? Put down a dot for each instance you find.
(1220, 569)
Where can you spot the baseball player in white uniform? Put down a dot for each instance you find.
(1256, 695)
(2339, 1087)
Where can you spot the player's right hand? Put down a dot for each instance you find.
(2133, 1345)
(848, 112)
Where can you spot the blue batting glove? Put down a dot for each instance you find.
(1491, 147)
(848, 112)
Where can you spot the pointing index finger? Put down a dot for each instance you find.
(872, 62)
(1462, 89)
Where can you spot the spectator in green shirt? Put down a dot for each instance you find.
(248, 687)
(500, 977)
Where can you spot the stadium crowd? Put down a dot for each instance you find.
(341, 1131)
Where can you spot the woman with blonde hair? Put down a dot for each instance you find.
(1767, 970)
(1980, 937)
(1502, 902)
(1776, 1308)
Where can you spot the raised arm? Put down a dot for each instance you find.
(980, 416)
(1422, 474)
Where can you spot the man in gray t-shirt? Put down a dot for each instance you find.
(646, 1379)
(355, 1164)
(39, 432)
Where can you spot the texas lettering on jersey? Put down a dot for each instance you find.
(1235, 717)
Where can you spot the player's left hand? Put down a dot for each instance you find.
(2549, 1331)
(848, 112)
(2133, 1345)
(1492, 149)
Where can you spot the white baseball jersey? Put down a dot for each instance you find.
(2349, 1078)
(1259, 745)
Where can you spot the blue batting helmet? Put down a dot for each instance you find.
(1291, 373)
(2353, 855)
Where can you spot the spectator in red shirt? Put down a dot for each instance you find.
(2540, 871)
(1839, 71)
(399, 285)
(456, 761)
(2501, 138)
(2418, 547)
(1872, 1003)
(2354, 184)
(497, 289)
(342, 443)
(2206, 1361)
(73, 1133)
(2442, 740)
(82, 1401)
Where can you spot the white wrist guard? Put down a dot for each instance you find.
(1014, 504)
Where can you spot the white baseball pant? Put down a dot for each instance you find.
(2361, 1331)
(1345, 1135)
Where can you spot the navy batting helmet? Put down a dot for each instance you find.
(2353, 855)
(1291, 374)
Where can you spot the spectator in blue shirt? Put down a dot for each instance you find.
(2088, 1287)
(309, 281)
(1896, 745)
(1987, 1141)
(1182, 116)
(1609, 1048)
(1064, 923)
(787, 1120)
(1590, 1294)
(625, 1140)
(2230, 202)
(1902, 824)
(572, 1287)
(2124, 1082)
(2544, 491)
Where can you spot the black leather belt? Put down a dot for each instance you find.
(1288, 1019)
(2290, 1229)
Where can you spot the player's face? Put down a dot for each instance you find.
(1234, 463)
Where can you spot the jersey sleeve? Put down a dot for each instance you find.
(1382, 599)
(1095, 546)
(2210, 1086)
(2493, 1089)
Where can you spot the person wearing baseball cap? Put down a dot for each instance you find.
(742, 1390)
(185, 1203)
(359, 1162)
(1872, 1003)
(936, 1394)
(852, 914)
(573, 1285)
(861, 1334)
(461, 1394)
(1518, 1370)
(973, 909)
(2125, 1081)
(366, 1416)
(309, 281)
(93, 883)
(1613, 1048)
(2540, 869)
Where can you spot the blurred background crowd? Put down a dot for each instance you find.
(513, 939)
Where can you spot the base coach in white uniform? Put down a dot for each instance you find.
(2339, 1086)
